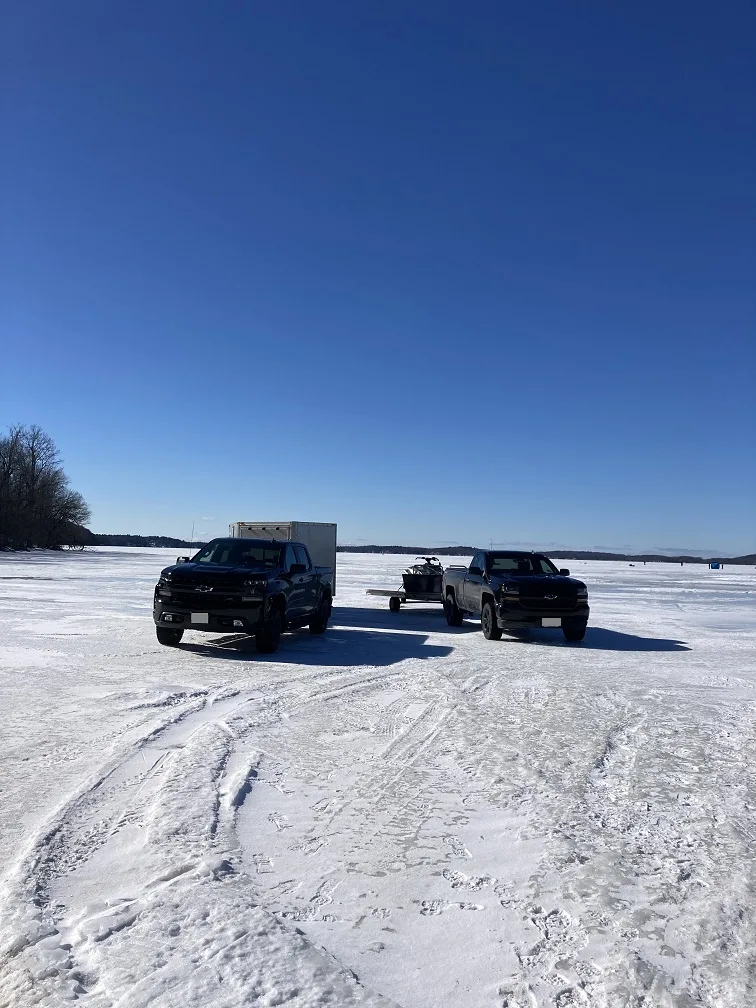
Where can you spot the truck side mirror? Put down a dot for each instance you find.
(297, 569)
(180, 560)
(476, 570)
(564, 572)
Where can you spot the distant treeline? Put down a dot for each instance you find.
(413, 550)
(651, 557)
(38, 508)
(555, 554)
(94, 539)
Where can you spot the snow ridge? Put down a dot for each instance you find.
(181, 924)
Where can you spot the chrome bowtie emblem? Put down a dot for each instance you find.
(204, 588)
(550, 596)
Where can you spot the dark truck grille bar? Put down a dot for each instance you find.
(203, 602)
(538, 602)
(186, 595)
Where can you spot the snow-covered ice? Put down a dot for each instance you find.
(396, 812)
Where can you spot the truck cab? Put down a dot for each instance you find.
(513, 590)
(260, 587)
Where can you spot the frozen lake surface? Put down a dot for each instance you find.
(396, 812)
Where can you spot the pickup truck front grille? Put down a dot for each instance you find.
(539, 599)
(546, 605)
(204, 601)
(216, 586)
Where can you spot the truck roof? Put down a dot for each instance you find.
(522, 553)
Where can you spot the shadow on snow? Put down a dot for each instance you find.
(600, 639)
(410, 617)
(432, 619)
(337, 646)
(371, 636)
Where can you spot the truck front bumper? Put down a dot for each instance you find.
(512, 617)
(242, 619)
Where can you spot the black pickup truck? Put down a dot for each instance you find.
(512, 590)
(255, 586)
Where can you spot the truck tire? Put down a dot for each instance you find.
(395, 603)
(268, 639)
(322, 614)
(168, 636)
(574, 629)
(491, 629)
(453, 614)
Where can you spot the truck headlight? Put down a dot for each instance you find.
(582, 592)
(510, 589)
(165, 579)
(255, 587)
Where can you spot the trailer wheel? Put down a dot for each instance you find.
(395, 603)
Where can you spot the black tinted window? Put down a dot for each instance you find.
(547, 567)
(516, 564)
(289, 558)
(238, 553)
(302, 557)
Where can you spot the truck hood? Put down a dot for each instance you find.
(192, 573)
(552, 581)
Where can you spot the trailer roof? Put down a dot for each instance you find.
(249, 539)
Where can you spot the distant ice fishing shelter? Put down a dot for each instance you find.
(318, 537)
(715, 565)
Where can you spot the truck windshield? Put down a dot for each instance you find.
(238, 553)
(518, 564)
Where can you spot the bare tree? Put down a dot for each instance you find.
(37, 506)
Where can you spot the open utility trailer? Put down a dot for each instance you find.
(420, 583)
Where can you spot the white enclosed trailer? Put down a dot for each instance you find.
(318, 537)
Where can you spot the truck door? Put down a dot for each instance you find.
(309, 579)
(473, 583)
(295, 607)
(464, 587)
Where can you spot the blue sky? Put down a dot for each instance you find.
(438, 272)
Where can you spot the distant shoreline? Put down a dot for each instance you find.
(554, 554)
(95, 539)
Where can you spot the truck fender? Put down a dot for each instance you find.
(277, 601)
(487, 597)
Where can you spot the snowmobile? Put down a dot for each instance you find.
(420, 583)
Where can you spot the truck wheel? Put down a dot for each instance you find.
(395, 603)
(168, 636)
(574, 629)
(269, 638)
(491, 629)
(319, 621)
(453, 614)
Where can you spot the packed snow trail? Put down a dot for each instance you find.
(394, 813)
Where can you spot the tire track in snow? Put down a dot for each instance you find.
(30, 948)
(637, 863)
(552, 969)
(378, 786)
(184, 804)
(389, 791)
